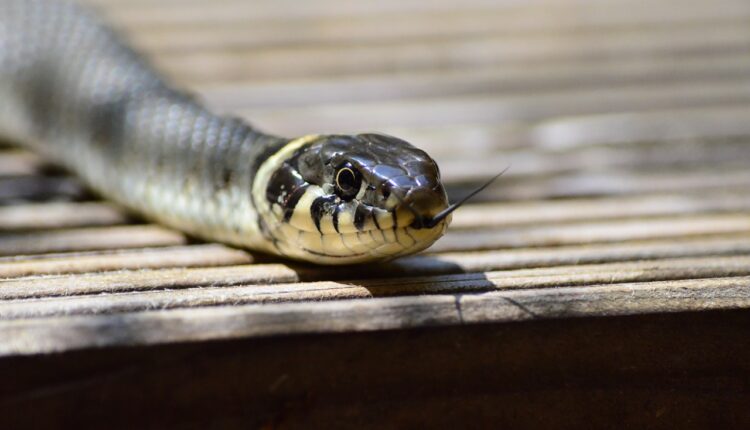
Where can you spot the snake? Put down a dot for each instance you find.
(73, 90)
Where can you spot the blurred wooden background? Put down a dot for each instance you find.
(604, 279)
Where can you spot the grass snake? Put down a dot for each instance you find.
(74, 91)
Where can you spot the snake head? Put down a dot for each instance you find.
(353, 198)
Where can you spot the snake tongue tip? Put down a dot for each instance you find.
(432, 222)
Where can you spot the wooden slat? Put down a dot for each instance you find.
(735, 244)
(296, 62)
(435, 264)
(500, 79)
(194, 12)
(194, 287)
(238, 33)
(494, 109)
(594, 232)
(122, 259)
(614, 182)
(537, 14)
(478, 216)
(47, 335)
(87, 239)
(59, 215)
(673, 157)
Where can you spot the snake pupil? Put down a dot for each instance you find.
(348, 182)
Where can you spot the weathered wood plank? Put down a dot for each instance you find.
(62, 334)
(526, 22)
(665, 371)
(173, 288)
(167, 279)
(667, 157)
(531, 107)
(314, 61)
(588, 183)
(436, 264)
(537, 15)
(654, 126)
(658, 127)
(150, 13)
(493, 79)
(121, 259)
(477, 216)
(578, 254)
(594, 232)
(59, 215)
(88, 239)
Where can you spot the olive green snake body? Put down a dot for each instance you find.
(72, 90)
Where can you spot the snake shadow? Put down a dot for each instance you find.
(414, 275)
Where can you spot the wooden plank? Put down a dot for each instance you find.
(237, 33)
(570, 255)
(121, 259)
(88, 239)
(478, 216)
(168, 289)
(532, 107)
(492, 79)
(296, 62)
(57, 334)
(529, 15)
(125, 281)
(435, 264)
(702, 125)
(659, 371)
(594, 232)
(59, 215)
(666, 157)
(593, 183)
(194, 12)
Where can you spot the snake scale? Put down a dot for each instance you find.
(74, 91)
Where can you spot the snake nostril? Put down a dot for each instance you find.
(425, 202)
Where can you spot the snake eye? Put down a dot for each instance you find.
(348, 182)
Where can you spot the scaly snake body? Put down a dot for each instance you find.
(73, 91)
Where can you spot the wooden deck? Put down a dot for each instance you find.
(604, 279)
